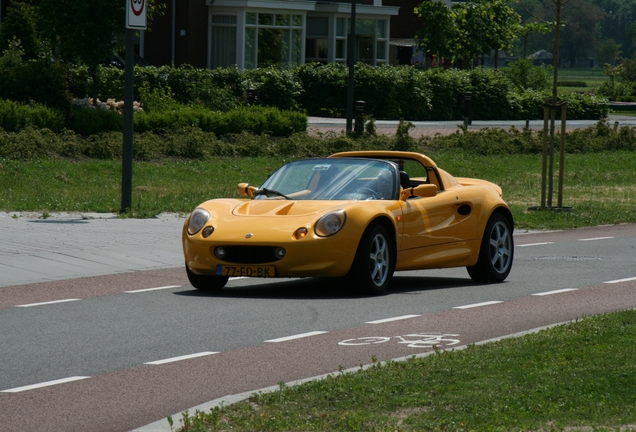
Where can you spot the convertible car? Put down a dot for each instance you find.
(360, 215)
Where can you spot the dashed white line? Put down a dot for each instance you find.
(380, 321)
(47, 303)
(595, 238)
(185, 357)
(620, 280)
(152, 289)
(488, 303)
(44, 384)
(555, 291)
(298, 336)
(535, 244)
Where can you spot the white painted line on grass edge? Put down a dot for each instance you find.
(185, 357)
(152, 289)
(380, 321)
(298, 336)
(555, 291)
(47, 303)
(44, 384)
(621, 280)
(535, 244)
(595, 238)
(488, 303)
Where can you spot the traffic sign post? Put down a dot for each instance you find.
(135, 20)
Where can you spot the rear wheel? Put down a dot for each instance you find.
(206, 282)
(496, 252)
(374, 263)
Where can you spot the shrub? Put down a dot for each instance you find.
(524, 76)
(90, 121)
(16, 116)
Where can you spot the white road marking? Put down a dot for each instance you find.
(47, 303)
(535, 244)
(185, 357)
(44, 384)
(298, 336)
(152, 289)
(488, 303)
(595, 238)
(380, 321)
(621, 280)
(555, 291)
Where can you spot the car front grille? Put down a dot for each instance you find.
(250, 254)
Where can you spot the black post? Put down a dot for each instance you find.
(351, 58)
(468, 108)
(127, 154)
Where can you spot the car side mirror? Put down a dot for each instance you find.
(422, 191)
(245, 189)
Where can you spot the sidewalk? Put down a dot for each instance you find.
(431, 128)
(72, 245)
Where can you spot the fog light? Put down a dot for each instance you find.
(207, 231)
(280, 253)
(300, 233)
(220, 252)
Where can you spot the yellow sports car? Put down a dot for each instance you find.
(360, 215)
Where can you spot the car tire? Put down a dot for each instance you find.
(206, 282)
(495, 253)
(374, 263)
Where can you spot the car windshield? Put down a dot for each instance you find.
(333, 179)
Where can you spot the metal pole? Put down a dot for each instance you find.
(544, 166)
(351, 57)
(562, 155)
(174, 29)
(127, 153)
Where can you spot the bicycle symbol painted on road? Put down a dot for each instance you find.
(415, 340)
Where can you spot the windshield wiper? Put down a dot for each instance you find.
(264, 191)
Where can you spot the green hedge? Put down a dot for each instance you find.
(193, 143)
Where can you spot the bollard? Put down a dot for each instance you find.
(251, 96)
(468, 108)
(358, 126)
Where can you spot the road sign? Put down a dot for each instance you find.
(136, 14)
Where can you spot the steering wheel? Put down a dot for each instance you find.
(368, 192)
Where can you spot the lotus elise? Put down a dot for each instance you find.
(359, 215)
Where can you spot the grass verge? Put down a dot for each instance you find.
(578, 375)
(598, 186)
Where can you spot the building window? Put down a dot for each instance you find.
(272, 39)
(317, 40)
(223, 41)
(371, 40)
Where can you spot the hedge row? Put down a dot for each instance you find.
(390, 92)
(191, 142)
(88, 121)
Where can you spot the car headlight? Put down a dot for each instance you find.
(331, 223)
(198, 219)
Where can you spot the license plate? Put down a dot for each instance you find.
(246, 271)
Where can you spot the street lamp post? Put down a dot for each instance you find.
(351, 58)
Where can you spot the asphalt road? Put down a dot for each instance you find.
(116, 343)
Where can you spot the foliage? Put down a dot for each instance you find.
(20, 25)
(439, 33)
(15, 116)
(608, 52)
(30, 81)
(524, 76)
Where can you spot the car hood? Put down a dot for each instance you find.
(286, 208)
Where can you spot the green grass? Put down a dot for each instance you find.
(598, 186)
(581, 374)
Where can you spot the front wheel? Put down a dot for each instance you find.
(495, 253)
(206, 282)
(373, 266)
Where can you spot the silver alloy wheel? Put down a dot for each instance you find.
(379, 259)
(500, 247)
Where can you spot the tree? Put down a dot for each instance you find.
(87, 32)
(532, 28)
(581, 29)
(20, 24)
(608, 52)
(439, 33)
(467, 29)
(620, 15)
